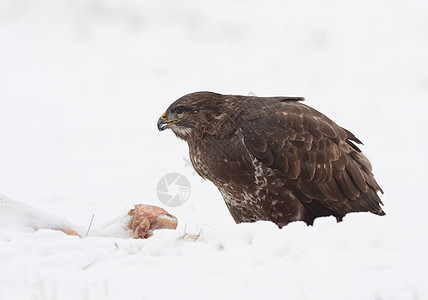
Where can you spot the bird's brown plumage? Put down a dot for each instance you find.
(274, 158)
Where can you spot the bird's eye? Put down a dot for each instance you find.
(179, 110)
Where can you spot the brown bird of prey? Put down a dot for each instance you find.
(274, 158)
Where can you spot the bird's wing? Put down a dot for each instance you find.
(305, 147)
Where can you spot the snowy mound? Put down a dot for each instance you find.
(18, 216)
(366, 254)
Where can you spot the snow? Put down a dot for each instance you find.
(82, 86)
(21, 217)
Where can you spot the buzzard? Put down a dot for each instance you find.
(274, 158)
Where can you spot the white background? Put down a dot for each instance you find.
(82, 84)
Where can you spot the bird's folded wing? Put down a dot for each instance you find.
(305, 147)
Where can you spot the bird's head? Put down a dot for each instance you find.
(196, 114)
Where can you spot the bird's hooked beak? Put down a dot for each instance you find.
(164, 123)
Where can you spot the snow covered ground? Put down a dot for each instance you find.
(82, 84)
